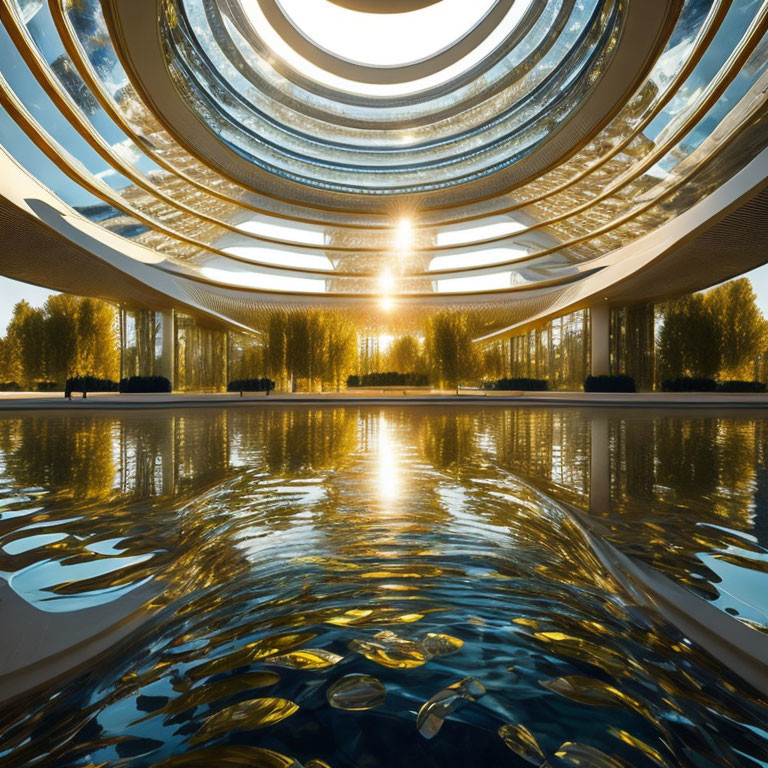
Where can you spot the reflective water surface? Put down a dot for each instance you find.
(400, 586)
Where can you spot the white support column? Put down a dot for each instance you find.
(166, 365)
(600, 337)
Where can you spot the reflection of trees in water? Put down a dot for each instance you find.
(668, 475)
(681, 485)
(633, 458)
(687, 456)
(447, 440)
(201, 449)
(73, 456)
(93, 456)
(296, 440)
(706, 466)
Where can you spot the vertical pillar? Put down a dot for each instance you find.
(121, 317)
(600, 338)
(166, 362)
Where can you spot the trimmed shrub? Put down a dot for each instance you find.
(146, 384)
(741, 386)
(10, 386)
(619, 383)
(689, 384)
(87, 384)
(46, 386)
(389, 379)
(527, 385)
(251, 385)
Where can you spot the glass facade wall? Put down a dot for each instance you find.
(144, 342)
(633, 344)
(194, 358)
(201, 357)
(560, 352)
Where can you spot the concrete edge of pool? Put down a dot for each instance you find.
(55, 401)
(48, 646)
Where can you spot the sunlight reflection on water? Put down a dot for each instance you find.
(388, 586)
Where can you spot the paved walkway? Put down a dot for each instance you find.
(24, 401)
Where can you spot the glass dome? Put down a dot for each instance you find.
(268, 150)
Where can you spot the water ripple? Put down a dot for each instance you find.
(309, 607)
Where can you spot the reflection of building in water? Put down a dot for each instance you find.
(647, 473)
(761, 484)
(550, 449)
(178, 453)
(97, 456)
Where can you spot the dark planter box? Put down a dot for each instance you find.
(147, 384)
(527, 385)
(619, 383)
(689, 384)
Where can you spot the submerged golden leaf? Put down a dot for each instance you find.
(229, 756)
(205, 694)
(441, 645)
(585, 756)
(391, 651)
(588, 690)
(434, 711)
(353, 616)
(578, 648)
(641, 746)
(522, 742)
(408, 618)
(266, 646)
(308, 658)
(356, 693)
(245, 716)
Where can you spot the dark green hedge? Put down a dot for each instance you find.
(619, 383)
(389, 379)
(689, 384)
(741, 386)
(145, 384)
(527, 385)
(10, 386)
(46, 386)
(251, 385)
(87, 384)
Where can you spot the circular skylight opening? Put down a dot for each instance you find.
(385, 39)
(432, 36)
(385, 6)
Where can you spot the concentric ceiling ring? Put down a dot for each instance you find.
(546, 113)
(211, 159)
(301, 42)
